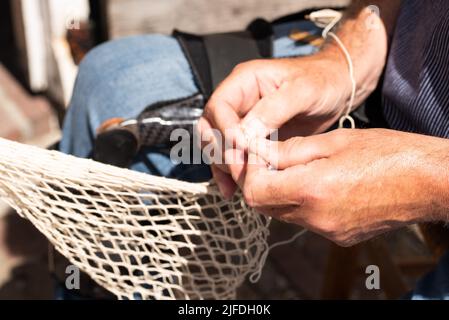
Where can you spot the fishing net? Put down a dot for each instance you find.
(137, 235)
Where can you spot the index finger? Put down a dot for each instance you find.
(233, 98)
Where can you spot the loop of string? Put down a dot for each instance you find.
(347, 117)
(328, 19)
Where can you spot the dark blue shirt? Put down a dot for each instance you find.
(416, 86)
(416, 94)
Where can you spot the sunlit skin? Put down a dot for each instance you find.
(347, 185)
(350, 185)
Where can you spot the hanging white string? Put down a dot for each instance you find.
(328, 19)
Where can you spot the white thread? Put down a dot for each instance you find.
(255, 276)
(347, 115)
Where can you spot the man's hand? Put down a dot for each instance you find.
(304, 96)
(349, 185)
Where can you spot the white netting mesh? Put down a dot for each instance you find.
(137, 235)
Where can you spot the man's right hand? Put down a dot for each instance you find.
(299, 96)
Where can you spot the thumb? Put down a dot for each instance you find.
(273, 111)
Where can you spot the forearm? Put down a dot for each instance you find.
(366, 36)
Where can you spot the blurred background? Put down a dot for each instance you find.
(41, 44)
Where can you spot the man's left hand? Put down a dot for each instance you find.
(349, 185)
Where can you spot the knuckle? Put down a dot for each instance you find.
(247, 65)
(288, 218)
(209, 109)
(332, 228)
(327, 226)
(344, 241)
(240, 67)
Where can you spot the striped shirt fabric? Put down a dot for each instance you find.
(416, 85)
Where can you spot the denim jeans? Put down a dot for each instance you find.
(122, 77)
